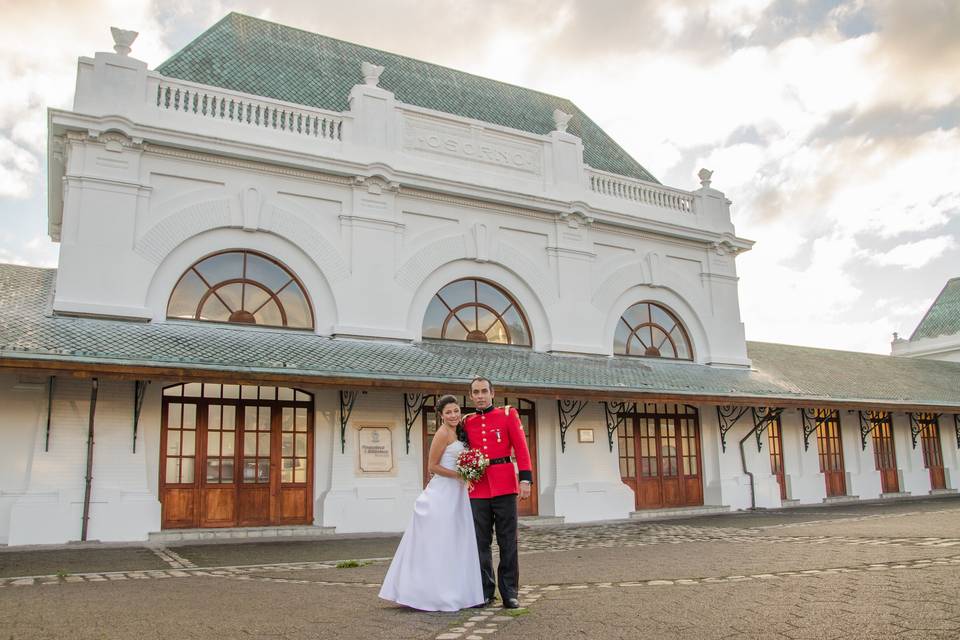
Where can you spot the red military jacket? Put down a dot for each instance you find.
(498, 435)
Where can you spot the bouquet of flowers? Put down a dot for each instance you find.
(471, 464)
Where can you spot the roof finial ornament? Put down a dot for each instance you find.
(561, 119)
(371, 73)
(122, 39)
(705, 175)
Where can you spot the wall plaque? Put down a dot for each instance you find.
(470, 143)
(375, 445)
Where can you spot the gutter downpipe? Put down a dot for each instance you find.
(743, 463)
(89, 476)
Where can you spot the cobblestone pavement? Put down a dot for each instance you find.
(870, 571)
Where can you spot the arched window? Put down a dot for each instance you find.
(649, 330)
(244, 287)
(476, 311)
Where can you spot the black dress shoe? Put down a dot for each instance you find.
(511, 603)
(485, 604)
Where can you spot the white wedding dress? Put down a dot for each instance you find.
(436, 567)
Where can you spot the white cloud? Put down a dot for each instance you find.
(913, 255)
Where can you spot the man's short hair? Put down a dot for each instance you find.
(480, 379)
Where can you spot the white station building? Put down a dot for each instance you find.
(276, 248)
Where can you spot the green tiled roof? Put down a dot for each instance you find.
(28, 331)
(943, 316)
(267, 59)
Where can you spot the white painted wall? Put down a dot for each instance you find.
(49, 506)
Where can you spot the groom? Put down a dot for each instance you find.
(497, 432)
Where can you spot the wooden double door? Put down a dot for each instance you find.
(932, 452)
(775, 441)
(235, 456)
(660, 457)
(884, 452)
(830, 452)
(528, 420)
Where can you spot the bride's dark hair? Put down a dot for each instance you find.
(442, 403)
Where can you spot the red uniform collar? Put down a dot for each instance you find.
(487, 410)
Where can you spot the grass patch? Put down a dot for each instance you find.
(62, 573)
(515, 613)
(352, 564)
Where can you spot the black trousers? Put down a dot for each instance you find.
(497, 514)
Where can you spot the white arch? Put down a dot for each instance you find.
(526, 296)
(181, 257)
(668, 298)
(161, 239)
(434, 255)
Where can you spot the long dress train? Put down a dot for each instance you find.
(436, 566)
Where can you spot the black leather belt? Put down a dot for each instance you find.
(501, 460)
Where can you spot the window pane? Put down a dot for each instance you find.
(491, 296)
(457, 293)
(175, 390)
(226, 470)
(269, 315)
(266, 272)
(213, 443)
(229, 417)
(286, 419)
(264, 444)
(225, 266)
(300, 472)
(455, 330)
(192, 389)
(301, 419)
(249, 469)
(301, 444)
(254, 297)
(173, 470)
(173, 443)
(173, 415)
(636, 315)
(186, 296)
(286, 444)
(518, 330)
(211, 390)
(213, 416)
(662, 343)
(214, 311)
(497, 334)
(189, 443)
(683, 350)
(190, 416)
(263, 471)
(263, 419)
(301, 396)
(433, 320)
(284, 393)
(661, 317)
(186, 471)
(295, 304)
(213, 471)
(231, 295)
(250, 443)
(227, 443)
(286, 471)
(231, 391)
(251, 393)
(620, 338)
(268, 393)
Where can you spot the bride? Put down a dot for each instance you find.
(436, 567)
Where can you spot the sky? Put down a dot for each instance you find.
(833, 126)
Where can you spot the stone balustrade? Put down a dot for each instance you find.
(648, 193)
(217, 104)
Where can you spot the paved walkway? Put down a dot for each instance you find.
(856, 571)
